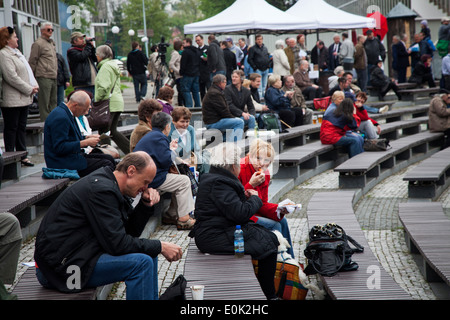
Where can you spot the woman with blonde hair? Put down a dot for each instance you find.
(255, 175)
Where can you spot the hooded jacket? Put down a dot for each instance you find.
(189, 65)
(107, 77)
(221, 204)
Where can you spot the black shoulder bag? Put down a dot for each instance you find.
(328, 250)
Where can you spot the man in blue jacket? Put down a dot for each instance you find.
(63, 142)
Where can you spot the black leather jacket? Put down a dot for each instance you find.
(79, 60)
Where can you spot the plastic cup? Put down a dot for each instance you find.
(314, 119)
(197, 292)
(320, 118)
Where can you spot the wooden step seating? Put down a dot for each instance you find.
(431, 177)
(305, 161)
(365, 170)
(225, 277)
(29, 288)
(427, 233)
(12, 165)
(416, 93)
(22, 197)
(337, 207)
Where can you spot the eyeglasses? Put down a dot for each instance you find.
(50, 30)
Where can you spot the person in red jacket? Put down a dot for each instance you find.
(339, 126)
(255, 175)
(368, 126)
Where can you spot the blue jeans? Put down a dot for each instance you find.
(250, 122)
(225, 124)
(281, 226)
(212, 74)
(353, 142)
(370, 109)
(140, 86)
(264, 77)
(188, 85)
(138, 270)
(60, 94)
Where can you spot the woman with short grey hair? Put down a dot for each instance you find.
(281, 64)
(222, 204)
(156, 144)
(107, 86)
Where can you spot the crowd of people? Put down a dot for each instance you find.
(93, 223)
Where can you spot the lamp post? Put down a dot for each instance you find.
(145, 28)
(115, 30)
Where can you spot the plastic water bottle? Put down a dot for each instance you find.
(238, 242)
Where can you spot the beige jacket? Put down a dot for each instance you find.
(16, 87)
(141, 130)
(43, 60)
(438, 115)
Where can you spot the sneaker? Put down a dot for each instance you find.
(384, 109)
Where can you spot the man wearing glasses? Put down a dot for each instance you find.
(44, 63)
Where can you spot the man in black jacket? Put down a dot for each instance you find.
(90, 234)
(190, 71)
(216, 61)
(137, 63)
(239, 99)
(258, 58)
(216, 112)
(81, 57)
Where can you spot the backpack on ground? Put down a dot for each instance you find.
(328, 250)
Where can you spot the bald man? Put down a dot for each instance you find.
(90, 235)
(63, 141)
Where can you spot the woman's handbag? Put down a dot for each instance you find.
(376, 144)
(322, 103)
(176, 291)
(100, 115)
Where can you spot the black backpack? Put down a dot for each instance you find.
(328, 250)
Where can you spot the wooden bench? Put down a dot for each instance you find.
(373, 91)
(29, 288)
(303, 162)
(402, 113)
(431, 177)
(364, 170)
(224, 276)
(414, 94)
(34, 135)
(22, 197)
(12, 165)
(427, 233)
(337, 207)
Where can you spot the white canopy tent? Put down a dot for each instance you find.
(325, 16)
(249, 17)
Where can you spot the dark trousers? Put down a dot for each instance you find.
(266, 274)
(401, 75)
(122, 142)
(310, 93)
(15, 123)
(204, 86)
(292, 117)
(96, 161)
(140, 86)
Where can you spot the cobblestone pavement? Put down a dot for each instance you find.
(377, 213)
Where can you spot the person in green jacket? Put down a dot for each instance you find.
(108, 77)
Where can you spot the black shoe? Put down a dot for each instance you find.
(27, 163)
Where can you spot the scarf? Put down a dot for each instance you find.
(19, 54)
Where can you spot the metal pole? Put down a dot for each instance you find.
(145, 28)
